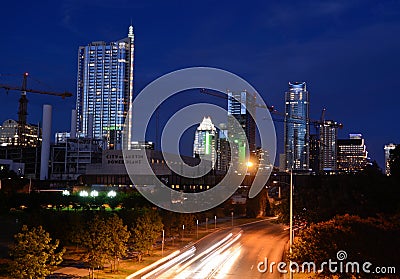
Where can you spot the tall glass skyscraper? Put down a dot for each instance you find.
(388, 148)
(105, 89)
(297, 127)
(240, 105)
(328, 133)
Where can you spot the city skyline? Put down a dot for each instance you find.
(345, 72)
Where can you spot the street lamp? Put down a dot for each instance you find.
(83, 193)
(279, 188)
(290, 214)
(112, 194)
(94, 194)
(197, 229)
(291, 218)
(162, 244)
(215, 221)
(232, 217)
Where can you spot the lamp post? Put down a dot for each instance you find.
(162, 243)
(232, 217)
(290, 214)
(291, 219)
(183, 231)
(215, 221)
(197, 229)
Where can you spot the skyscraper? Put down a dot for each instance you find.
(352, 154)
(223, 149)
(105, 89)
(314, 152)
(296, 127)
(205, 141)
(328, 131)
(388, 148)
(240, 105)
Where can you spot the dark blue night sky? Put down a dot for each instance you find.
(346, 51)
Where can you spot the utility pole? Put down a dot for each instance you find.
(291, 220)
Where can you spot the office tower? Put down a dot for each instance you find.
(240, 107)
(388, 148)
(328, 131)
(10, 133)
(105, 90)
(297, 127)
(205, 141)
(314, 153)
(352, 154)
(223, 149)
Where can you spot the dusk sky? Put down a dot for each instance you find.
(346, 51)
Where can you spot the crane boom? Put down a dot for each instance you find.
(17, 88)
(23, 102)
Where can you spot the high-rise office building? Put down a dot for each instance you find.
(11, 135)
(105, 90)
(223, 149)
(314, 152)
(205, 141)
(352, 154)
(388, 148)
(328, 131)
(297, 127)
(240, 107)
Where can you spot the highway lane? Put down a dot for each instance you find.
(229, 253)
(259, 241)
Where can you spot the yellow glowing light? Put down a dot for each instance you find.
(249, 164)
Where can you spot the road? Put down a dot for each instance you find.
(230, 253)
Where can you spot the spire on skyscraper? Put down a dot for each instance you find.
(130, 33)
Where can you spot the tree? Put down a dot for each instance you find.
(259, 205)
(95, 240)
(34, 254)
(146, 230)
(119, 236)
(364, 240)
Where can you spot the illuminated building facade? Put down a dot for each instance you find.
(328, 132)
(297, 127)
(205, 141)
(31, 134)
(240, 107)
(388, 148)
(352, 154)
(223, 151)
(105, 90)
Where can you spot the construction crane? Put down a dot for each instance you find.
(272, 110)
(23, 102)
(224, 96)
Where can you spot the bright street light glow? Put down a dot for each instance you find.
(83, 193)
(94, 193)
(249, 164)
(65, 193)
(111, 194)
